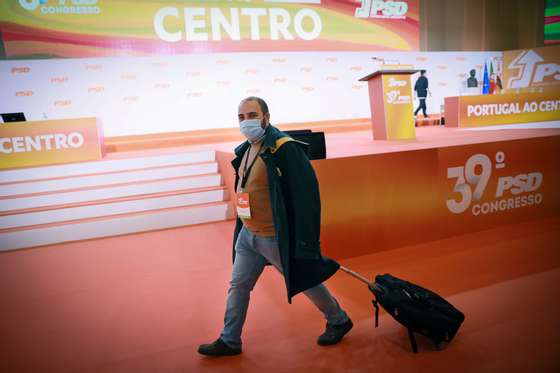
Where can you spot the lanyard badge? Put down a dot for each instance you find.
(242, 203)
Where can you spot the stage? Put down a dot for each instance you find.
(343, 138)
(371, 190)
(143, 301)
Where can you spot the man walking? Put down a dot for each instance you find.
(421, 90)
(278, 223)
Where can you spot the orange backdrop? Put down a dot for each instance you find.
(377, 202)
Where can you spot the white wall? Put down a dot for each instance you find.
(141, 95)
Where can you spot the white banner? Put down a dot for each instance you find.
(143, 95)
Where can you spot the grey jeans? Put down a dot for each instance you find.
(251, 255)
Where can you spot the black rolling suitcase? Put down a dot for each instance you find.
(417, 309)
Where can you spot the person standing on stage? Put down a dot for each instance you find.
(278, 223)
(421, 91)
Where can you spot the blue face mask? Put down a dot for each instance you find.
(252, 130)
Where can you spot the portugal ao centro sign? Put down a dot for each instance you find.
(475, 111)
(42, 143)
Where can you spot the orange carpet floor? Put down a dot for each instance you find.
(143, 303)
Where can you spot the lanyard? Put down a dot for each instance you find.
(247, 171)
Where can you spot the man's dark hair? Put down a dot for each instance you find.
(260, 101)
(422, 72)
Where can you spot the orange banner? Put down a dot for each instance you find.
(88, 28)
(398, 107)
(41, 143)
(485, 185)
(381, 202)
(487, 110)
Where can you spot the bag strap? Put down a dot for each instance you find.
(412, 341)
(376, 306)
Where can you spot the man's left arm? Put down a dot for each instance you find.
(304, 206)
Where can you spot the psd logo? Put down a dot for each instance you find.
(61, 6)
(531, 70)
(95, 67)
(396, 91)
(128, 76)
(131, 99)
(24, 93)
(162, 85)
(20, 70)
(473, 179)
(395, 97)
(382, 9)
(96, 89)
(62, 103)
(59, 80)
(396, 82)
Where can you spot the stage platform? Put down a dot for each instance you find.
(393, 193)
(353, 139)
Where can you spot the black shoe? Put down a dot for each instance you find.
(218, 348)
(334, 333)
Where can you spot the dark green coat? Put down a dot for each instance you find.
(296, 211)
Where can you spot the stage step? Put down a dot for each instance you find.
(114, 226)
(105, 166)
(55, 204)
(106, 179)
(109, 208)
(15, 204)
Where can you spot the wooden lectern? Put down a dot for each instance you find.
(390, 100)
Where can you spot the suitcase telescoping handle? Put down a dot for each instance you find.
(372, 286)
(357, 275)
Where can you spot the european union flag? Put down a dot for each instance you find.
(485, 81)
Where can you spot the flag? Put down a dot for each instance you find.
(492, 86)
(485, 81)
(499, 82)
(497, 79)
(492, 79)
